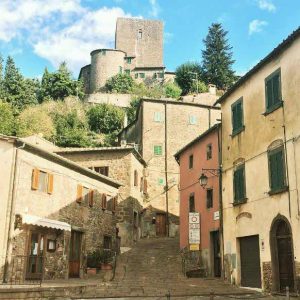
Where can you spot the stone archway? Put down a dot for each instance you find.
(282, 254)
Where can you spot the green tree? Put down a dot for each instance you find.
(7, 120)
(186, 74)
(131, 110)
(17, 90)
(59, 84)
(120, 83)
(35, 120)
(1, 77)
(217, 58)
(105, 118)
(172, 90)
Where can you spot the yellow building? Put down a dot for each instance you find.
(261, 172)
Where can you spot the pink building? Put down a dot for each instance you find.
(194, 159)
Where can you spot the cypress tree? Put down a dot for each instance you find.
(217, 58)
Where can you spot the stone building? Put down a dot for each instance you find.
(54, 213)
(201, 156)
(260, 161)
(127, 166)
(162, 125)
(138, 52)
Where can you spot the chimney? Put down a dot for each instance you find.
(212, 89)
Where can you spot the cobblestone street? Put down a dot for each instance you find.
(152, 270)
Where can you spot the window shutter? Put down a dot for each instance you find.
(79, 193)
(239, 115)
(50, 183)
(91, 198)
(35, 179)
(269, 91)
(114, 206)
(276, 92)
(141, 184)
(280, 169)
(273, 171)
(145, 186)
(104, 201)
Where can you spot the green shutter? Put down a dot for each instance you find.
(269, 91)
(237, 116)
(276, 91)
(277, 170)
(239, 184)
(280, 169)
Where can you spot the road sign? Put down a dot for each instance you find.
(194, 218)
(194, 228)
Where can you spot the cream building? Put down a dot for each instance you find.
(261, 172)
(54, 212)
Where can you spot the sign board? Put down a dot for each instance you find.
(194, 228)
(216, 215)
(194, 247)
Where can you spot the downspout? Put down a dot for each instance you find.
(221, 199)
(10, 210)
(296, 175)
(286, 160)
(166, 170)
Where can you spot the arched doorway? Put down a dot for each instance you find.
(282, 254)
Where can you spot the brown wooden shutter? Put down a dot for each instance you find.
(145, 186)
(104, 201)
(50, 183)
(115, 202)
(142, 184)
(91, 198)
(79, 193)
(35, 179)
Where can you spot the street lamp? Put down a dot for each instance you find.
(203, 180)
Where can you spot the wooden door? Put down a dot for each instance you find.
(285, 257)
(250, 262)
(216, 253)
(160, 225)
(35, 256)
(75, 253)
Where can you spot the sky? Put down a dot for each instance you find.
(43, 33)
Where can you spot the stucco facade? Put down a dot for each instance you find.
(127, 166)
(45, 201)
(201, 153)
(160, 125)
(258, 215)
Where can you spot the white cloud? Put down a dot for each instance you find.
(267, 5)
(59, 30)
(256, 26)
(155, 8)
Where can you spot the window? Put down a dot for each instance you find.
(42, 181)
(142, 75)
(136, 178)
(136, 75)
(209, 198)
(85, 195)
(157, 116)
(128, 60)
(104, 201)
(102, 170)
(239, 184)
(161, 181)
(273, 91)
(107, 242)
(120, 70)
(209, 151)
(140, 34)
(193, 120)
(192, 203)
(277, 169)
(157, 150)
(155, 75)
(191, 161)
(127, 72)
(237, 116)
(160, 75)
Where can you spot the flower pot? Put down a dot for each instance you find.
(91, 271)
(106, 266)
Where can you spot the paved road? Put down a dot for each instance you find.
(152, 269)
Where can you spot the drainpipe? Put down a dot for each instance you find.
(166, 170)
(296, 175)
(10, 210)
(286, 160)
(221, 200)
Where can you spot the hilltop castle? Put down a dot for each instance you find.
(138, 52)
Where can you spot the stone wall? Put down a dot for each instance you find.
(121, 100)
(147, 48)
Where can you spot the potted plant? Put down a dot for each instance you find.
(106, 257)
(92, 263)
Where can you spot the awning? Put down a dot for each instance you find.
(44, 222)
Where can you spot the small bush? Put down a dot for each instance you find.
(120, 83)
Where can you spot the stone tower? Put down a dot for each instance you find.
(142, 40)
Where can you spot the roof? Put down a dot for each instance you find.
(99, 50)
(197, 139)
(275, 52)
(61, 160)
(163, 101)
(149, 68)
(102, 149)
